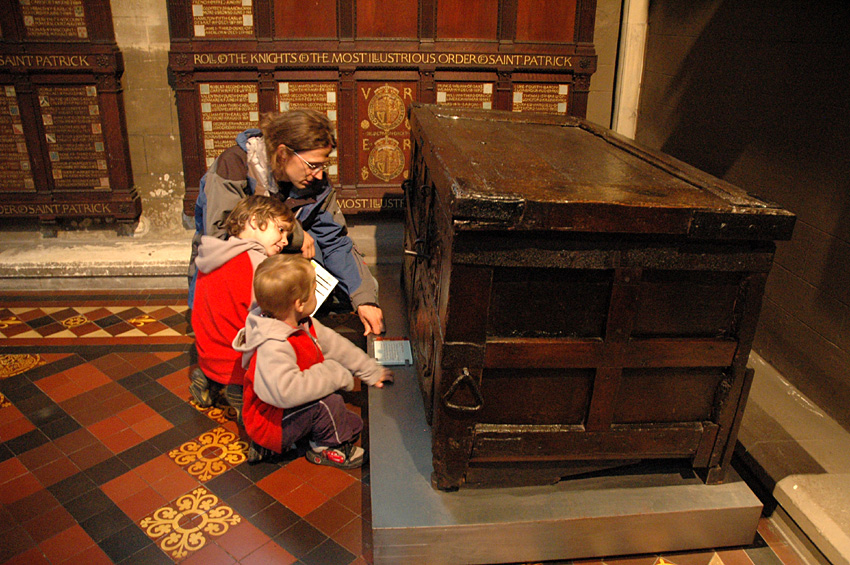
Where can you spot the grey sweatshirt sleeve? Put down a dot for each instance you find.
(278, 380)
(354, 359)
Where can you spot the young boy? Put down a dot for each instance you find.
(295, 366)
(258, 226)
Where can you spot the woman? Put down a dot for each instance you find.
(286, 157)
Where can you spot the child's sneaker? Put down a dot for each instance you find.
(257, 453)
(202, 389)
(233, 395)
(345, 456)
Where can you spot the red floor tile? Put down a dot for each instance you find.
(15, 428)
(242, 539)
(11, 469)
(90, 456)
(136, 414)
(75, 441)
(19, 488)
(331, 481)
(66, 544)
(151, 427)
(123, 440)
(330, 517)
(210, 554)
(39, 456)
(280, 483)
(32, 556)
(141, 504)
(124, 486)
(92, 555)
(48, 524)
(55, 471)
(304, 499)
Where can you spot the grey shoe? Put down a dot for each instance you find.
(203, 390)
(233, 395)
(257, 453)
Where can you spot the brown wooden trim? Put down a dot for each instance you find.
(568, 353)
(501, 442)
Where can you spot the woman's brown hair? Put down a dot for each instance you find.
(299, 130)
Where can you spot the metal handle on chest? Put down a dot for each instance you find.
(473, 386)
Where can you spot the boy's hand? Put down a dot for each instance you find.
(308, 248)
(386, 377)
(372, 318)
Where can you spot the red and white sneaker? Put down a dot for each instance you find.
(345, 456)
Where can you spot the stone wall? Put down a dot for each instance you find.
(141, 31)
(754, 91)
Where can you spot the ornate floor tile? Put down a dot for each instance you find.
(187, 525)
(213, 453)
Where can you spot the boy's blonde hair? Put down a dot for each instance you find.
(303, 129)
(280, 280)
(264, 208)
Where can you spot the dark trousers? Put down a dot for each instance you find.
(325, 422)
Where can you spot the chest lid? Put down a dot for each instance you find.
(505, 170)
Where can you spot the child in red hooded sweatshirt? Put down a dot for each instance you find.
(258, 227)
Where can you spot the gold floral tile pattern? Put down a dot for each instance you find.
(218, 413)
(15, 364)
(213, 453)
(4, 402)
(183, 527)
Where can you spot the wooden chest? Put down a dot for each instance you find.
(575, 301)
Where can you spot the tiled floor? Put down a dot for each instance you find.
(103, 459)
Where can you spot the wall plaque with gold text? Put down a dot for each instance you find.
(54, 19)
(319, 96)
(465, 94)
(227, 109)
(384, 132)
(14, 157)
(222, 19)
(74, 135)
(545, 98)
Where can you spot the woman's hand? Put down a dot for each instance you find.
(372, 318)
(308, 248)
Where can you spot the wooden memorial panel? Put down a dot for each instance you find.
(227, 109)
(543, 98)
(54, 19)
(74, 135)
(223, 19)
(383, 149)
(65, 150)
(465, 95)
(14, 156)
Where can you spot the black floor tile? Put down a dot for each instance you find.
(107, 470)
(169, 439)
(102, 525)
(60, 427)
(73, 487)
(300, 539)
(259, 471)
(136, 381)
(164, 401)
(27, 441)
(328, 553)
(274, 519)
(125, 543)
(228, 484)
(139, 454)
(250, 501)
(89, 504)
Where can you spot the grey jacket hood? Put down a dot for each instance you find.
(214, 252)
